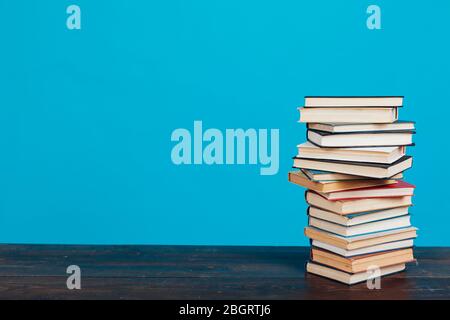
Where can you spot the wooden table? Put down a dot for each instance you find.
(187, 272)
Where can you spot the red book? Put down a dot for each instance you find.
(399, 189)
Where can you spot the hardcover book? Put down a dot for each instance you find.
(360, 229)
(398, 189)
(349, 278)
(364, 139)
(362, 263)
(363, 241)
(344, 115)
(352, 165)
(389, 246)
(386, 155)
(299, 178)
(319, 175)
(358, 218)
(363, 127)
(365, 169)
(345, 207)
(353, 101)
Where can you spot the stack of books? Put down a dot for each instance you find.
(352, 165)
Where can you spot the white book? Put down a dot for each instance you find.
(349, 278)
(360, 229)
(345, 115)
(386, 155)
(358, 242)
(362, 127)
(365, 169)
(353, 101)
(317, 175)
(372, 249)
(360, 218)
(370, 236)
(342, 140)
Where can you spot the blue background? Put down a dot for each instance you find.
(86, 116)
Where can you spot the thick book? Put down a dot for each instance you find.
(363, 127)
(319, 175)
(345, 207)
(360, 229)
(367, 250)
(398, 189)
(345, 115)
(385, 155)
(364, 241)
(349, 278)
(365, 169)
(364, 262)
(353, 101)
(358, 218)
(299, 178)
(365, 139)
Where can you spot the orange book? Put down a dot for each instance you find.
(351, 206)
(299, 178)
(399, 189)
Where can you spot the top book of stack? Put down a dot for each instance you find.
(358, 109)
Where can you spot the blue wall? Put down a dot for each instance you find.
(86, 116)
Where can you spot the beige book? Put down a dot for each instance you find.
(360, 229)
(363, 241)
(356, 101)
(345, 115)
(345, 207)
(348, 278)
(387, 155)
(365, 169)
(357, 219)
(299, 178)
(317, 175)
(364, 262)
(372, 249)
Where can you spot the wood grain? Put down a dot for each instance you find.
(189, 272)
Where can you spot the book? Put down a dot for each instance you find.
(386, 155)
(363, 127)
(363, 241)
(367, 250)
(365, 139)
(344, 115)
(360, 229)
(354, 101)
(358, 218)
(348, 278)
(318, 175)
(345, 207)
(364, 262)
(366, 169)
(299, 178)
(352, 166)
(398, 189)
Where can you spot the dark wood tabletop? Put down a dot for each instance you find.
(195, 272)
